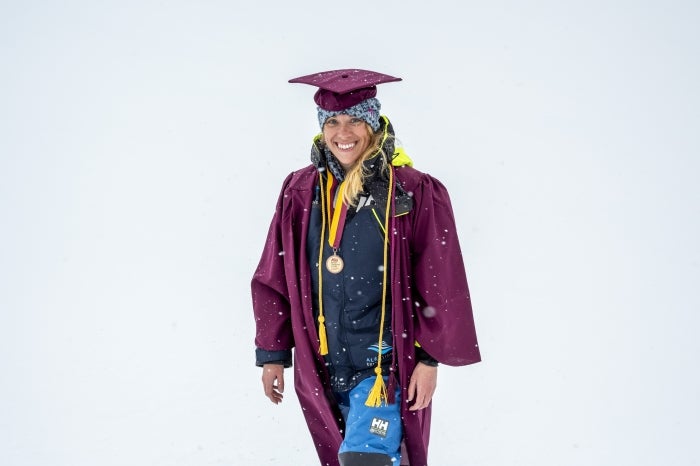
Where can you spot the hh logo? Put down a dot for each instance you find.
(379, 427)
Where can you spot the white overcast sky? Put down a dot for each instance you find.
(142, 147)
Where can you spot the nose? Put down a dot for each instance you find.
(345, 127)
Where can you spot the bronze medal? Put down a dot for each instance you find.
(335, 264)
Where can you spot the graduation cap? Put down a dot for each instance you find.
(342, 89)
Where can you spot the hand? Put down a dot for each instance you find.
(273, 382)
(422, 386)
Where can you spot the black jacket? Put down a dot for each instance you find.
(352, 299)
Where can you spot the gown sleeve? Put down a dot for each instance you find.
(444, 322)
(273, 329)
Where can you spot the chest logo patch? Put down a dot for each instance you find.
(386, 347)
(364, 201)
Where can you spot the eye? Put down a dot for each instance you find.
(331, 122)
(356, 121)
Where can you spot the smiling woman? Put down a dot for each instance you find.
(347, 137)
(351, 141)
(370, 246)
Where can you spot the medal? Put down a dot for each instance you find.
(336, 224)
(335, 264)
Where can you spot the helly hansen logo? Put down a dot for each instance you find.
(379, 427)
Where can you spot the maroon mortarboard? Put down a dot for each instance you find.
(341, 89)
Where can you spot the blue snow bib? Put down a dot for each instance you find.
(371, 430)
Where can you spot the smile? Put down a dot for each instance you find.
(345, 146)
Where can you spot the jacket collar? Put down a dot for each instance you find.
(377, 183)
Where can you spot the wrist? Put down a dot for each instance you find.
(429, 363)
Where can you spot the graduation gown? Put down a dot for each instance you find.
(430, 302)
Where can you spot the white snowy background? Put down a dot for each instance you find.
(142, 147)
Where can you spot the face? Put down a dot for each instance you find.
(347, 137)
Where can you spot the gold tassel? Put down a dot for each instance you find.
(378, 395)
(323, 348)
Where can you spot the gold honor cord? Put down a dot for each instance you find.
(378, 395)
(334, 264)
(323, 340)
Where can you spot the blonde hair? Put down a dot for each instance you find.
(356, 176)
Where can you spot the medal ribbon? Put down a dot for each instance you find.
(336, 221)
(336, 212)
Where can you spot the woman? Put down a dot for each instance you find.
(369, 314)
